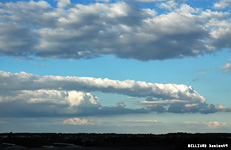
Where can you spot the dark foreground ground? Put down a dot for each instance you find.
(91, 141)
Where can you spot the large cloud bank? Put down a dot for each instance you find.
(29, 29)
(26, 81)
(25, 94)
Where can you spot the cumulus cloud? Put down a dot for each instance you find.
(118, 29)
(222, 4)
(214, 14)
(168, 5)
(77, 121)
(226, 68)
(57, 103)
(41, 101)
(19, 39)
(223, 108)
(209, 124)
(77, 98)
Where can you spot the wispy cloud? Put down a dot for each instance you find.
(77, 121)
(203, 71)
(124, 99)
(141, 121)
(209, 124)
(2, 122)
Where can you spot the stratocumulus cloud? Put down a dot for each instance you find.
(209, 124)
(28, 95)
(120, 29)
(26, 81)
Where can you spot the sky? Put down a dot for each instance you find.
(115, 66)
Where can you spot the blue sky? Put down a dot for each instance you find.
(143, 66)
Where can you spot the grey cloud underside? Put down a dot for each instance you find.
(120, 29)
(25, 109)
(181, 107)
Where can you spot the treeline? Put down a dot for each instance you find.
(179, 140)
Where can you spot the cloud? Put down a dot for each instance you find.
(105, 1)
(63, 3)
(222, 4)
(209, 124)
(168, 5)
(226, 68)
(26, 81)
(54, 103)
(120, 29)
(19, 39)
(203, 71)
(77, 121)
(124, 99)
(223, 108)
(2, 122)
(25, 94)
(214, 14)
(183, 106)
(77, 98)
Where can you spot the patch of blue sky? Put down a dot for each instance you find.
(202, 4)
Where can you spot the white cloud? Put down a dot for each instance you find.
(214, 14)
(36, 96)
(74, 99)
(25, 81)
(106, 1)
(18, 38)
(169, 5)
(163, 102)
(226, 68)
(222, 4)
(223, 108)
(77, 98)
(121, 104)
(209, 124)
(191, 105)
(77, 121)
